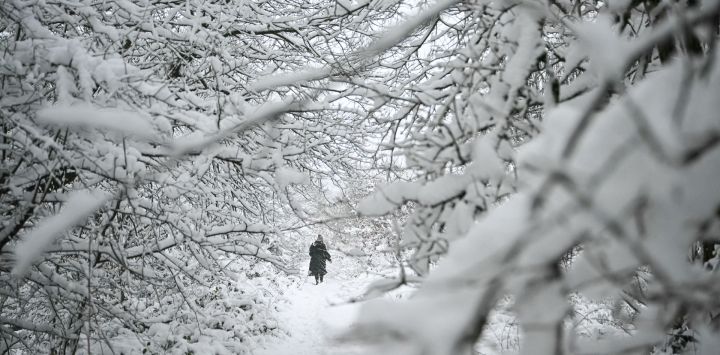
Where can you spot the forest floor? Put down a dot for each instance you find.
(314, 315)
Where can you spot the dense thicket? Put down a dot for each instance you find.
(144, 166)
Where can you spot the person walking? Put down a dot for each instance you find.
(318, 255)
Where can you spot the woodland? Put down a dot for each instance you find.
(509, 176)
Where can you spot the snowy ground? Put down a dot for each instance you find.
(314, 315)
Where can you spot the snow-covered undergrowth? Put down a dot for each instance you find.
(591, 320)
(228, 316)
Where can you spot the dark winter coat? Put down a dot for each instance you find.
(318, 255)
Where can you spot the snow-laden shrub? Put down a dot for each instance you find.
(137, 153)
(227, 316)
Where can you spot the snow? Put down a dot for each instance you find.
(299, 77)
(529, 48)
(64, 85)
(603, 45)
(387, 198)
(286, 176)
(396, 34)
(84, 116)
(79, 205)
(36, 29)
(314, 315)
(485, 160)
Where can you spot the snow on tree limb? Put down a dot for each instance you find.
(78, 206)
(128, 123)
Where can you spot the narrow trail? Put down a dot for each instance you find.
(314, 315)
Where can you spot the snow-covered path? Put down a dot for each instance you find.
(315, 314)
